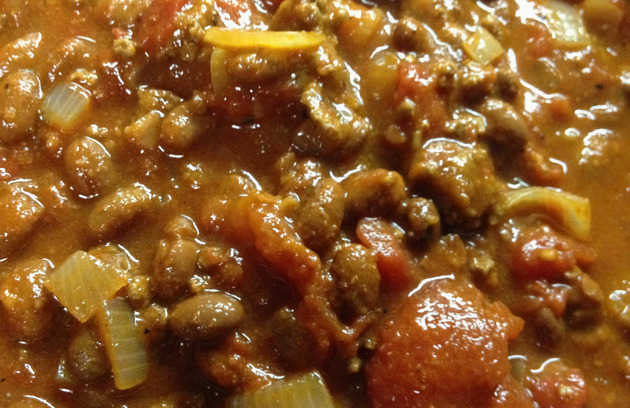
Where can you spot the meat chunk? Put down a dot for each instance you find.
(118, 209)
(356, 273)
(446, 346)
(291, 341)
(459, 177)
(423, 218)
(319, 219)
(89, 166)
(297, 15)
(87, 358)
(374, 193)
(29, 307)
(333, 128)
(20, 100)
(19, 212)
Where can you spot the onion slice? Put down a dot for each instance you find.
(482, 47)
(276, 40)
(566, 24)
(305, 391)
(66, 105)
(83, 282)
(572, 212)
(123, 343)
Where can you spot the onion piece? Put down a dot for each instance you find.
(276, 40)
(566, 24)
(482, 47)
(218, 70)
(123, 343)
(572, 212)
(66, 105)
(305, 391)
(83, 282)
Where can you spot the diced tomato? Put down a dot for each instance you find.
(418, 85)
(559, 387)
(446, 346)
(553, 297)
(541, 253)
(236, 13)
(157, 25)
(394, 263)
(113, 86)
(539, 41)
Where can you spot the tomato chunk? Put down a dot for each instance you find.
(158, 24)
(559, 386)
(394, 264)
(543, 253)
(446, 346)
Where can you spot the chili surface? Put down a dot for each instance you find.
(226, 203)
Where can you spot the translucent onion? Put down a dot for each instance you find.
(603, 15)
(83, 282)
(66, 105)
(277, 40)
(566, 24)
(572, 212)
(482, 47)
(123, 343)
(218, 70)
(305, 391)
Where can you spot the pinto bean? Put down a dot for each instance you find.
(118, 209)
(89, 166)
(176, 259)
(505, 127)
(205, 316)
(20, 100)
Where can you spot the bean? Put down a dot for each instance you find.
(205, 316)
(20, 100)
(119, 208)
(89, 166)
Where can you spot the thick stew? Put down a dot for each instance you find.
(314, 203)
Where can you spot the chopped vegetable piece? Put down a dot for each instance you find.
(305, 391)
(571, 211)
(566, 24)
(482, 47)
(603, 15)
(394, 263)
(218, 70)
(66, 105)
(83, 282)
(278, 40)
(123, 343)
